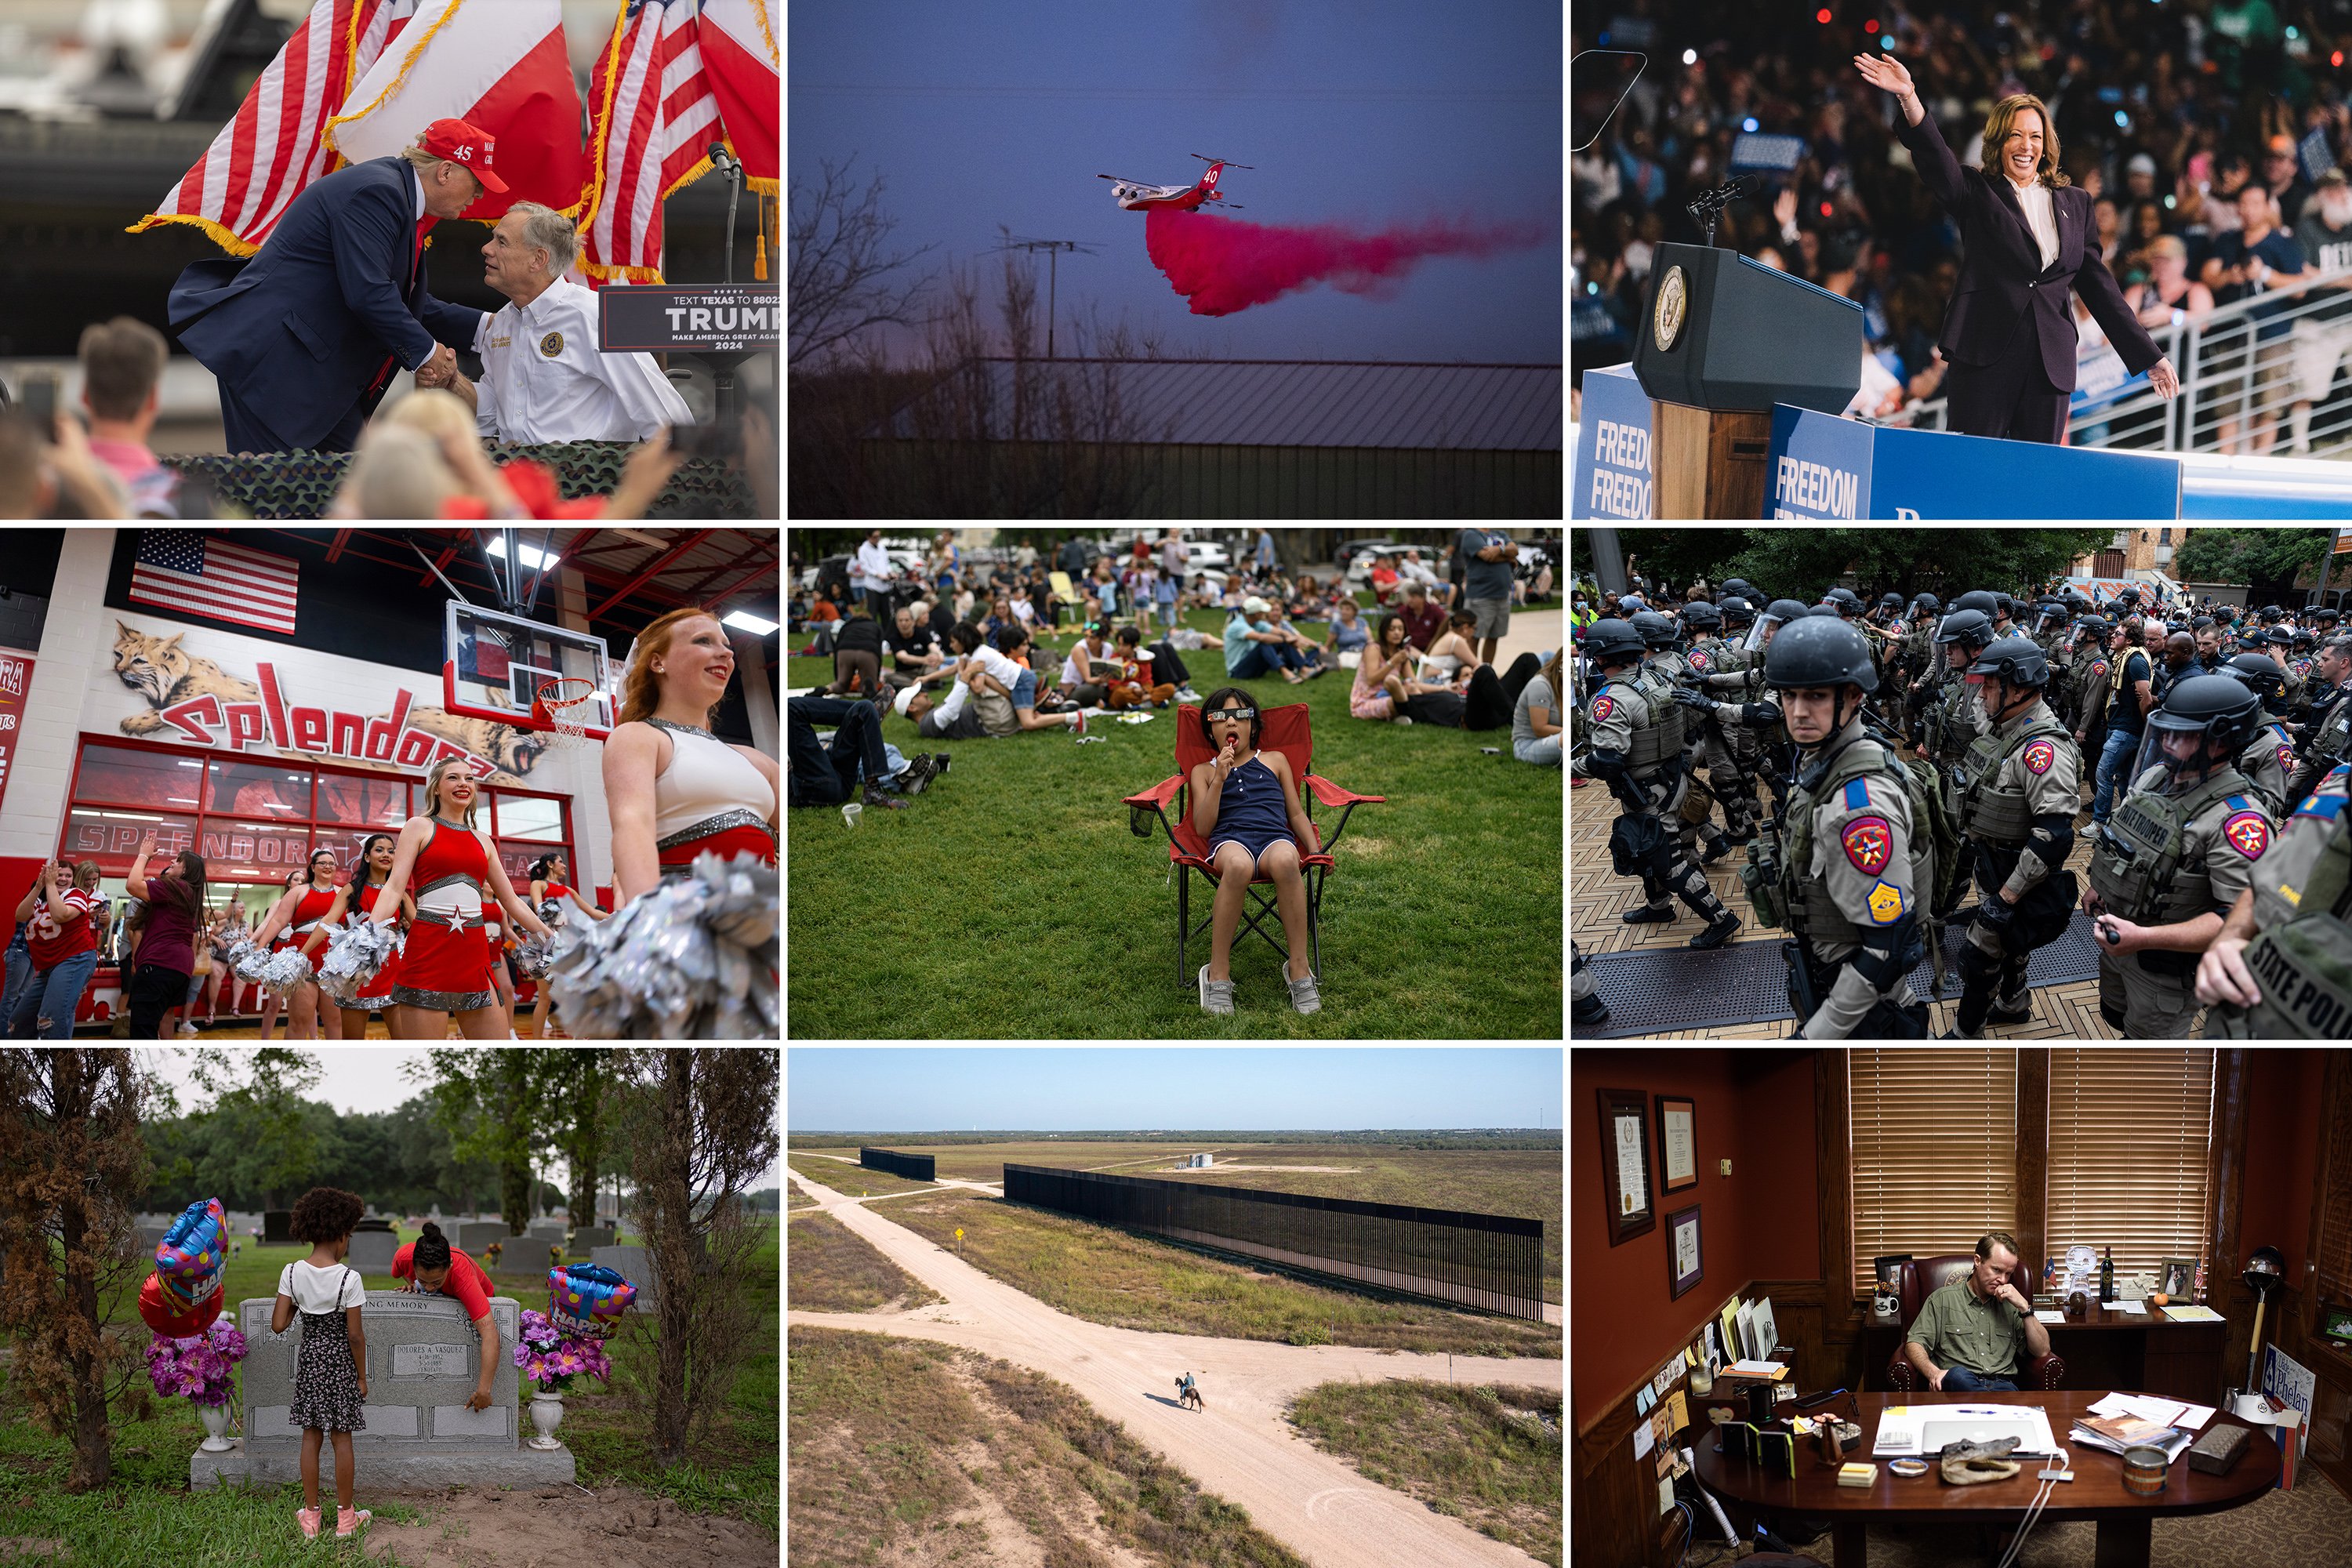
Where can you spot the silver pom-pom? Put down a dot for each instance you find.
(355, 955)
(245, 957)
(532, 953)
(281, 972)
(693, 959)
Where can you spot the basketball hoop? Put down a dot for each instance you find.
(561, 707)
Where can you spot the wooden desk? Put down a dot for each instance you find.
(2105, 1350)
(2125, 1519)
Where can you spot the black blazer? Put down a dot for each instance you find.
(2001, 275)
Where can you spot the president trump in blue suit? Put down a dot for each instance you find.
(305, 336)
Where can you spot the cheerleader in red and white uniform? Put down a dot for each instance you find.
(354, 903)
(446, 965)
(675, 789)
(297, 915)
(549, 895)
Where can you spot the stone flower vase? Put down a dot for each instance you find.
(546, 1414)
(215, 1419)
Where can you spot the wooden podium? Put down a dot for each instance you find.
(1722, 339)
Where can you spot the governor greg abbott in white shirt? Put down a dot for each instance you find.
(543, 377)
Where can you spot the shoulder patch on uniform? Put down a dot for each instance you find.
(1869, 843)
(1857, 794)
(2249, 833)
(2098, 667)
(1698, 658)
(1886, 903)
(2286, 756)
(1603, 705)
(2039, 755)
(2327, 807)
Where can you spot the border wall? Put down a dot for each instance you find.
(914, 1167)
(1491, 1262)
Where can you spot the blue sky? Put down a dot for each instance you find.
(875, 1089)
(1374, 112)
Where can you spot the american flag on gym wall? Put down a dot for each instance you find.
(273, 147)
(182, 571)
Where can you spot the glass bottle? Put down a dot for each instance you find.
(2107, 1275)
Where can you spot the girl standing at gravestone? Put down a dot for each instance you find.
(330, 1365)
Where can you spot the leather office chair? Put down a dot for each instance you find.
(1923, 1277)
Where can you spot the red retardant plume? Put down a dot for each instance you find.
(1224, 265)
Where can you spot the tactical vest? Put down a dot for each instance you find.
(1660, 735)
(2302, 965)
(1996, 816)
(2140, 867)
(1948, 736)
(2332, 739)
(1818, 919)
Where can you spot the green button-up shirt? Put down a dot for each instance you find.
(1987, 1337)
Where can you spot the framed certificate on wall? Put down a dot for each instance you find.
(1625, 1163)
(1681, 1248)
(1678, 1144)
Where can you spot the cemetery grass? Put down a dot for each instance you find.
(907, 1450)
(734, 1472)
(1526, 1183)
(1024, 842)
(1128, 1281)
(832, 1269)
(851, 1181)
(1463, 1451)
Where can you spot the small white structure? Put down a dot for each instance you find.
(1198, 1161)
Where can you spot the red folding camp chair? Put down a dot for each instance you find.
(1284, 730)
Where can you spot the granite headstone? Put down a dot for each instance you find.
(589, 1238)
(371, 1251)
(635, 1265)
(423, 1360)
(278, 1225)
(473, 1237)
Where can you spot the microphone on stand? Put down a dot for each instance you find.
(1708, 205)
(720, 158)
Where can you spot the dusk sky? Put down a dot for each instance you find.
(1373, 114)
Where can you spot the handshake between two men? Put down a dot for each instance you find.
(440, 370)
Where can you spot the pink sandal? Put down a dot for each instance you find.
(308, 1518)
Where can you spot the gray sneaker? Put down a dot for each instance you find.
(1303, 994)
(1216, 995)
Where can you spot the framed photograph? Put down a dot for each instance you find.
(2176, 1276)
(1625, 1163)
(1888, 1269)
(1681, 1248)
(1678, 1144)
(2337, 1325)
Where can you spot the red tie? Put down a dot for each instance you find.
(416, 259)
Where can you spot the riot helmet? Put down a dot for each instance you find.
(1776, 614)
(2201, 725)
(1848, 603)
(1611, 640)
(1978, 599)
(2256, 670)
(1738, 613)
(1926, 601)
(1657, 631)
(1702, 616)
(1819, 650)
(1890, 600)
(1740, 586)
(1970, 628)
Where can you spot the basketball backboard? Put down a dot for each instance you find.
(494, 664)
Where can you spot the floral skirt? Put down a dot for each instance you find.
(326, 1382)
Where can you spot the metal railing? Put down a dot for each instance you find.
(2239, 375)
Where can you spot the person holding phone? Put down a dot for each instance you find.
(1245, 803)
(2029, 237)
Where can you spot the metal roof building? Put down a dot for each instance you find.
(1231, 439)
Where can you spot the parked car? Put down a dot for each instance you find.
(1199, 555)
(1367, 552)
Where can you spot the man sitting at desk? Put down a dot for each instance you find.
(1967, 1335)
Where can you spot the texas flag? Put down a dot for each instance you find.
(738, 56)
(498, 65)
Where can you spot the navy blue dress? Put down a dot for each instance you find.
(1251, 812)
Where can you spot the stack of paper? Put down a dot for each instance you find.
(2192, 1314)
(2123, 1421)
(2171, 1440)
(1772, 1370)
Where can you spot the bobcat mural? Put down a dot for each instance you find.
(163, 674)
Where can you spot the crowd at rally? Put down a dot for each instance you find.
(956, 650)
(2187, 125)
(1911, 748)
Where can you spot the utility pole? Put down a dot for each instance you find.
(1054, 249)
(2328, 566)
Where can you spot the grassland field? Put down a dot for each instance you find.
(832, 1269)
(1525, 1182)
(851, 1181)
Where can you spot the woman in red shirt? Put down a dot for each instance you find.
(301, 912)
(432, 1266)
(63, 943)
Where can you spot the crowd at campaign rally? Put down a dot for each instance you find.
(2186, 124)
(1911, 748)
(953, 648)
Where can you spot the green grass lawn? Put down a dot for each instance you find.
(851, 1181)
(1010, 900)
(147, 1513)
(1478, 1454)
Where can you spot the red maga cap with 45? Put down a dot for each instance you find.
(466, 145)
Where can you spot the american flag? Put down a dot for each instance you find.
(182, 571)
(655, 115)
(262, 159)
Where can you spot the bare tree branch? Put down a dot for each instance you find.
(839, 274)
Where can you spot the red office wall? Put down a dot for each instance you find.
(2282, 1155)
(1754, 1108)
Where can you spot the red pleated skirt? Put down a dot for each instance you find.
(445, 968)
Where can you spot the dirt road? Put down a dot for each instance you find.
(1240, 1447)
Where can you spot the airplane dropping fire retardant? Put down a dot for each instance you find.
(1136, 197)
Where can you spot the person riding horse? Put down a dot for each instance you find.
(1188, 1393)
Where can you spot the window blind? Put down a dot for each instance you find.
(2335, 1206)
(1932, 1146)
(2131, 1130)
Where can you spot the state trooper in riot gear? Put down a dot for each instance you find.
(2327, 739)
(1955, 715)
(1666, 671)
(2174, 856)
(2281, 967)
(1637, 752)
(2085, 684)
(1729, 779)
(2268, 759)
(1754, 720)
(2016, 792)
(1915, 655)
(1843, 876)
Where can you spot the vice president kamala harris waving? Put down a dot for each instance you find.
(2009, 334)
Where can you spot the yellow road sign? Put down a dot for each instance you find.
(958, 1232)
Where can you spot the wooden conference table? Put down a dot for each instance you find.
(2125, 1519)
